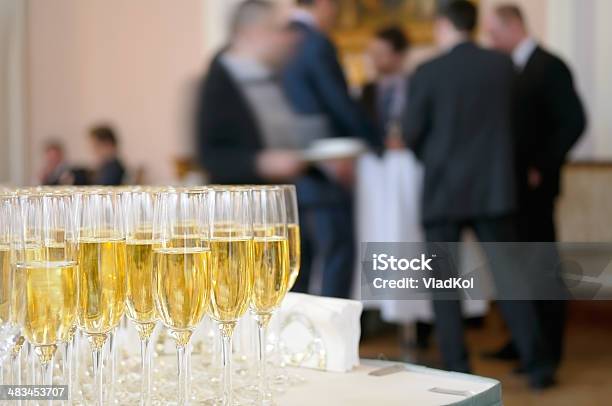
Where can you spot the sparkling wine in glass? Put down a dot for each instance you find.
(45, 283)
(102, 272)
(140, 306)
(231, 265)
(271, 269)
(181, 260)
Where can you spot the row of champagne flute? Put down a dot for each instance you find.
(84, 257)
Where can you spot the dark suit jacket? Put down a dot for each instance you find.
(111, 173)
(369, 104)
(315, 84)
(229, 139)
(458, 122)
(228, 133)
(549, 119)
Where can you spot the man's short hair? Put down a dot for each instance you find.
(395, 37)
(308, 3)
(508, 12)
(249, 12)
(104, 134)
(462, 14)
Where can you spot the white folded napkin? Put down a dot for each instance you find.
(319, 332)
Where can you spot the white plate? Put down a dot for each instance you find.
(334, 148)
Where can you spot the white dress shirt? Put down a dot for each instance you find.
(304, 17)
(523, 51)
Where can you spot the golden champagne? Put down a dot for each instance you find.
(5, 288)
(139, 259)
(295, 253)
(271, 273)
(188, 241)
(47, 297)
(26, 254)
(231, 269)
(182, 285)
(56, 251)
(102, 284)
(31, 253)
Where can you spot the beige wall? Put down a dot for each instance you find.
(536, 13)
(12, 87)
(129, 62)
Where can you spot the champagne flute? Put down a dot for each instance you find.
(139, 259)
(293, 232)
(271, 268)
(60, 243)
(181, 270)
(102, 273)
(9, 331)
(231, 267)
(46, 283)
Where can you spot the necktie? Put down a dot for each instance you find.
(385, 105)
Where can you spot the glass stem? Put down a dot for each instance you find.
(74, 362)
(261, 358)
(145, 352)
(45, 357)
(47, 375)
(97, 350)
(183, 376)
(189, 350)
(98, 378)
(67, 367)
(226, 348)
(16, 368)
(112, 349)
(33, 378)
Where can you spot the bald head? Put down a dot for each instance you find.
(251, 13)
(259, 31)
(506, 27)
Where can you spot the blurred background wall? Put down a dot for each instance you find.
(12, 91)
(132, 63)
(135, 63)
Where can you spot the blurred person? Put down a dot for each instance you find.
(55, 170)
(385, 97)
(458, 122)
(314, 80)
(245, 127)
(549, 119)
(318, 91)
(108, 171)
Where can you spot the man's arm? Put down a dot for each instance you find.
(567, 112)
(331, 86)
(226, 149)
(416, 117)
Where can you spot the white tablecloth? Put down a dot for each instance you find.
(388, 207)
(410, 387)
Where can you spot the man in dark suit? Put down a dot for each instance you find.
(314, 80)
(318, 92)
(384, 99)
(109, 169)
(549, 119)
(459, 123)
